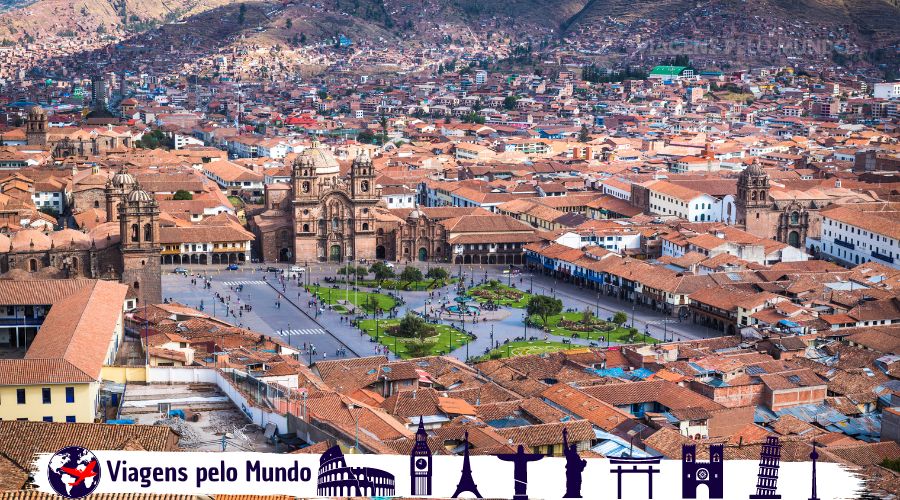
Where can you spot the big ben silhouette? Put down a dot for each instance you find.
(420, 464)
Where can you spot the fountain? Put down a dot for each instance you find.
(461, 307)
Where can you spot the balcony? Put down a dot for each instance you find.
(881, 257)
(845, 244)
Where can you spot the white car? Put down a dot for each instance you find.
(297, 269)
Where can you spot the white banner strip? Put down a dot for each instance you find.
(298, 475)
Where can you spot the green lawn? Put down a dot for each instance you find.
(523, 348)
(399, 346)
(360, 299)
(421, 286)
(499, 294)
(619, 334)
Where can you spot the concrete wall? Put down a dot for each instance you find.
(124, 374)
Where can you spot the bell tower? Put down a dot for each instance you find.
(420, 464)
(752, 200)
(139, 245)
(362, 176)
(36, 127)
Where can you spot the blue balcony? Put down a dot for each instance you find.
(845, 244)
(881, 257)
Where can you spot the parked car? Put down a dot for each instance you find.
(232, 267)
(180, 270)
(271, 269)
(297, 269)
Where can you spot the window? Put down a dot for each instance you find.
(20, 396)
(70, 394)
(148, 232)
(135, 232)
(45, 395)
(48, 419)
(70, 419)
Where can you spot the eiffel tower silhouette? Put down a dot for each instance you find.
(466, 483)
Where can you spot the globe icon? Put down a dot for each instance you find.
(74, 472)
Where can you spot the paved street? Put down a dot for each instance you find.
(298, 323)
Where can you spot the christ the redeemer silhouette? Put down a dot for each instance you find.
(520, 473)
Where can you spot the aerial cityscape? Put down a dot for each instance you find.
(664, 235)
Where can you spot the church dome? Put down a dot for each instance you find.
(140, 195)
(70, 239)
(30, 239)
(319, 158)
(36, 112)
(123, 179)
(755, 170)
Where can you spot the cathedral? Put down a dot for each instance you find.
(322, 216)
(71, 141)
(325, 216)
(125, 248)
(787, 215)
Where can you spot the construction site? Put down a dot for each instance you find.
(202, 415)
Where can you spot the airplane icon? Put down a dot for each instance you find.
(81, 475)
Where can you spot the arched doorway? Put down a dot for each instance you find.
(467, 259)
(334, 254)
(423, 254)
(284, 255)
(379, 252)
(794, 239)
(215, 259)
(203, 259)
(194, 259)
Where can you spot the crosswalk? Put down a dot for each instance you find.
(305, 331)
(235, 283)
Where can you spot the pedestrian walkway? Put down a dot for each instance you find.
(305, 331)
(235, 283)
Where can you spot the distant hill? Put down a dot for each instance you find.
(867, 16)
(34, 17)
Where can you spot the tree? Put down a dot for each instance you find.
(584, 134)
(411, 274)
(544, 306)
(242, 13)
(381, 271)
(302, 38)
(437, 274)
(620, 318)
(587, 317)
(181, 194)
(510, 102)
(366, 137)
(288, 24)
(414, 327)
(362, 271)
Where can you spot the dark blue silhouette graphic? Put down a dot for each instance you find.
(814, 456)
(336, 479)
(634, 463)
(520, 460)
(466, 483)
(695, 473)
(767, 479)
(574, 466)
(420, 464)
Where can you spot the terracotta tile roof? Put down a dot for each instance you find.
(582, 405)
(20, 440)
(665, 393)
(548, 434)
(867, 453)
(36, 371)
(38, 292)
(79, 328)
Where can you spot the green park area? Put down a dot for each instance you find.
(366, 300)
(585, 325)
(499, 294)
(413, 338)
(380, 275)
(524, 348)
